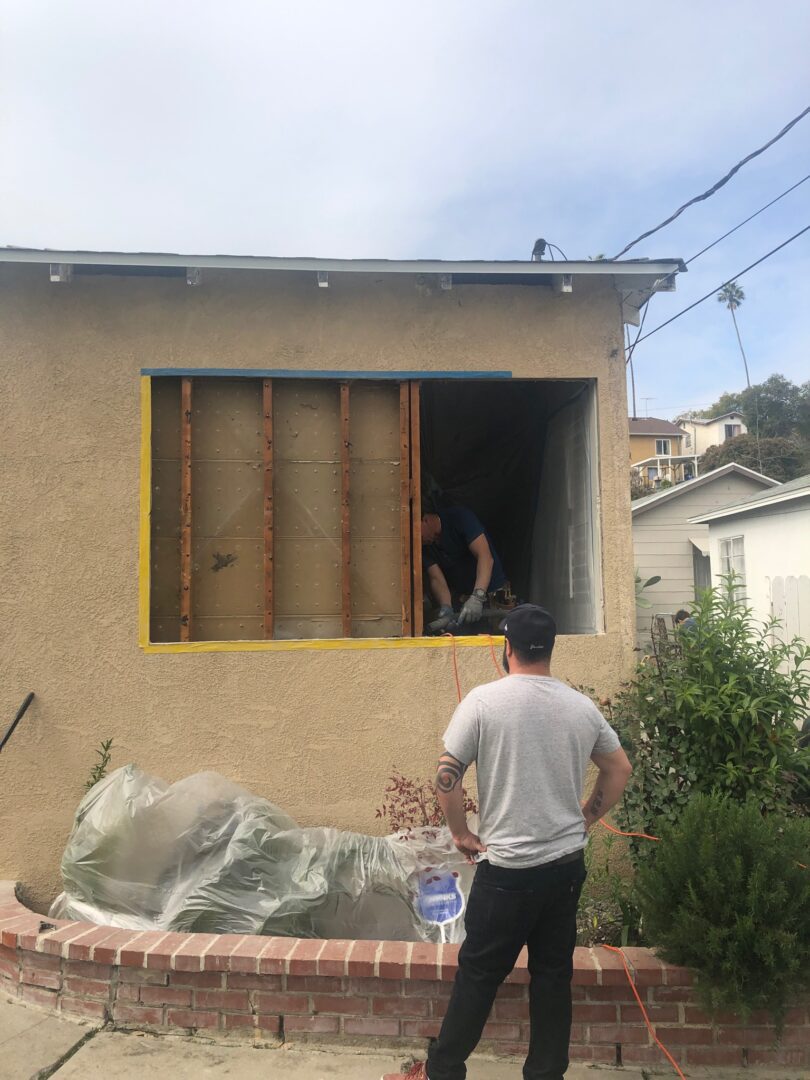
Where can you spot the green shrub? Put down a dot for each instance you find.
(718, 709)
(724, 894)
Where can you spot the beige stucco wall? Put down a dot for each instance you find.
(318, 732)
(643, 446)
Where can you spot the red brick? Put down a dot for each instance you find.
(165, 995)
(107, 951)
(370, 1025)
(672, 993)
(438, 1007)
(449, 962)
(586, 972)
(127, 992)
(421, 988)
(513, 991)
(43, 963)
(9, 932)
(258, 982)
(333, 957)
(693, 1015)
(394, 959)
(601, 994)
(494, 1030)
(519, 1010)
(602, 1014)
(646, 967)
(618, 1033)
(644, 1055)
(78, 1006)
(400, 1006)
(336, 1003)
(232, 1000)
(189, 956)
(134, 954)
(796, 1036)
(134, 1014)
(84, 969)
(190, 1018)
(742, 1036)
(303, 960)
(685, 1036)
(51, 980)
(245, 957)
(677, 976)
(53, 943)
(711, 1055)
(267, 1025)
(9, 971)
(319, 984)
(159, 957)
(37, 996)
(631, 1014)
(795, 1057)
(282, 1003)
(424, 961)
(273, 958)
(611, 969)
(383, 987)
(7, 954)
(361, 959)
(205, 980)
(87, 987)
(140, 976)
(323, 1025)
(243, 1022)
(80, 948)
(421, 1029)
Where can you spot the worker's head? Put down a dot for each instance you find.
(529, 634)
(681, 616)
(431, 528)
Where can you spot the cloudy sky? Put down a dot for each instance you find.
(424, 129)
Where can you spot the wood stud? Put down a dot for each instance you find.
(405, 504)
(267, 444)
(345, 519)
(185, 509)
(416, 510)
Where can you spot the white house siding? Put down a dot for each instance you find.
(776, 547)
(661, 543)
(702, 436)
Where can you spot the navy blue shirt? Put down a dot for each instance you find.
(451, 552)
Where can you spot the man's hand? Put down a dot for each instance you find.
(446, 616)
(469, 845)
(473, 607)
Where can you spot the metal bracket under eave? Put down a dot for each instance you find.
(193, 275)
(563, 283)
(62, 273)
(446, 281)
(323, 279)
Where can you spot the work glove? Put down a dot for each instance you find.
(473, 607)
(446, 616)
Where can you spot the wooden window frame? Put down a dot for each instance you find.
(410, 525)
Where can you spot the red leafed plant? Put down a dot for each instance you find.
(411, 803)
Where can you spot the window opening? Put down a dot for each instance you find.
(663, 447)
(732, 558)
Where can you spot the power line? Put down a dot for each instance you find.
(714, 291)
(715, 187)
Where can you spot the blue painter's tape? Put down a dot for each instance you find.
(290, 373)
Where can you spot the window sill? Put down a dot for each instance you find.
(480, 641)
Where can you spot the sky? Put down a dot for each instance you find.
(460, 129)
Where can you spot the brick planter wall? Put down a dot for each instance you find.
(388, 993)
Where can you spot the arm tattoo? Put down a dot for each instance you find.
(596, 803)
(449, 773)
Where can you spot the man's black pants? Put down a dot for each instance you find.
(506, 910)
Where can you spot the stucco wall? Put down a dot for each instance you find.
(318, 732)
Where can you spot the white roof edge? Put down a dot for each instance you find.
(647, 501)
(639, 268)
(737, 509)
(706, 419)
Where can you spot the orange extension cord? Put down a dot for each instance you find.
(612, 829)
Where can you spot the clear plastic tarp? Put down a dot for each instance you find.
(206, 855)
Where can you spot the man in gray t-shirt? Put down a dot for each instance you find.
(531, 738)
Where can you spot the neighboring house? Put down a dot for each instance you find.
(667, 542)
(765, 540)
(714, 431)
(261, 613)
(656, 452)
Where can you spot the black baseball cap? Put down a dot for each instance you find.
(530, 628)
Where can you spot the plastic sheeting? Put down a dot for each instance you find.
(206, 855)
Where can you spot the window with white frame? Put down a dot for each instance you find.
(663, 447)
(733, 430)
(732, 558)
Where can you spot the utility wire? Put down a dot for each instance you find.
(715, 187)
(717, 288)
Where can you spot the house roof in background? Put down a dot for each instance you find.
(793, 489)
(638, 506)
(706, 419)
(652, 425)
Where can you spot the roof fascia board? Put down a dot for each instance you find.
(358, 266)
(650, 501)
(748, 508)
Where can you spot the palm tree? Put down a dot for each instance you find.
(732, 296)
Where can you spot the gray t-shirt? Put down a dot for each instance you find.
(531, 737)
